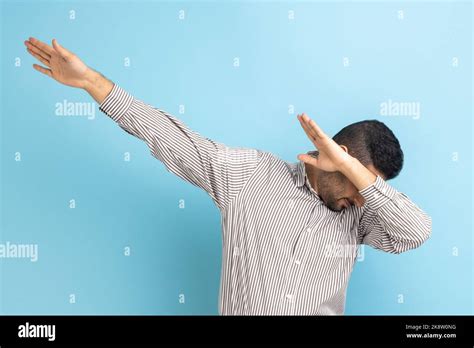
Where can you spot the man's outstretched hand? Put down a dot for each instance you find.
(59, 63)
(66, 68)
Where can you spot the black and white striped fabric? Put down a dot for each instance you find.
(284, 251)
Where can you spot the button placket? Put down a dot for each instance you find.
(294, 265)
(297, 261)
(297, 256)
(288, 297)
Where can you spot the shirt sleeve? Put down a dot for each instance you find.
(391, 222)
(220, 170)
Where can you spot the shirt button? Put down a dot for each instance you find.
(308, 229)
(291, 203)
(236, 251)
(289, 297)
(298, 262)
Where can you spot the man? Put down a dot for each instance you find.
(290, 230)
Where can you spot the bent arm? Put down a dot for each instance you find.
(391, 222)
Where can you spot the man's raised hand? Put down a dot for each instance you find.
(332, 157)
(59, 63)
(66, 68)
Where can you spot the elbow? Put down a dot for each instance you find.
(420, 233)
(425, 229)
(428, 229)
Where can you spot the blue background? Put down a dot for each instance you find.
(282, 62)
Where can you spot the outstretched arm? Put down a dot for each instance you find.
(218, 169)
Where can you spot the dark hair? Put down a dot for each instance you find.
(372, 142)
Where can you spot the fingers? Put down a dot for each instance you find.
(314, 129)
(43, 70)
(36, 50)
(41, 45)
(39, 54)
(306, 128)
(60, 49)
(41, 59)
(308, 159)
(308, 134)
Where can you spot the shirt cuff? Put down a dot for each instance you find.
(378, 193)
(117, 103)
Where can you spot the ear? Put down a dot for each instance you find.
(344, 147)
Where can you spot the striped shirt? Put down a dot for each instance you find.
(284, 251)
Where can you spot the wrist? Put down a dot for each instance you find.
(90, 79)
(97, 85)
(357, 173)
(348, 165)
